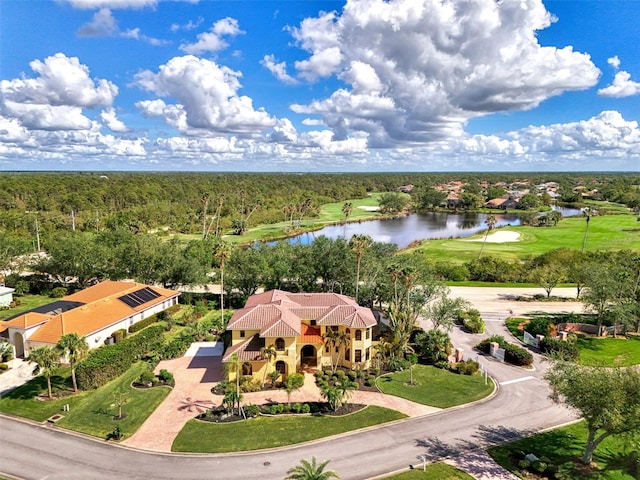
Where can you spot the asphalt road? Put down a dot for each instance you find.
(520, 406)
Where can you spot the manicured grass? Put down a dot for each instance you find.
(512, 326)
(567, 445)
(606, 233)
(267, 432)
(435, 471)
(436, 387)
(27, 302)
(89, 412)
(609, 352)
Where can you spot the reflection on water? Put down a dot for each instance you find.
(404, 230)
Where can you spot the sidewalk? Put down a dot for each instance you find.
(481, 466)
(20, 372)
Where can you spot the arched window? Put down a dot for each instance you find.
(279, 344)
(358, 335)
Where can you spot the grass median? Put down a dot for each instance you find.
(268, 432)
(436, 387)
(435, 471)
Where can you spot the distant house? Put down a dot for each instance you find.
(502, 203)
(294, 324)
(94, 313)
(453, 200)
(6, 296)
(405, 189)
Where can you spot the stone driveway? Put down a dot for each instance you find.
(196, 375)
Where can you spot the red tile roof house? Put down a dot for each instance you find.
(294, 323)
(94, 313)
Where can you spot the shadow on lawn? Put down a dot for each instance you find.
(37, 386)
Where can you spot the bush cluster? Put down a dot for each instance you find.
(513, 354)
(3, 367)
(567, 351)
(472, 321)
(136, 327)
(468, 367)
(111, 361)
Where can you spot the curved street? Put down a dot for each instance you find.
(520, 406)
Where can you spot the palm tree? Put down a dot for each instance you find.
(269, 354)
(347, 209)
(47, 359)
(75, 348)
(234, 365)
(345, 388)
(335, 339)
(359, 245)
(490, 222)
(586, 213)
(222, 253)
(311, 471)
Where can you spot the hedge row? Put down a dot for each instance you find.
(513, 354)
(111, 361)
(136, 327)
(560, 349)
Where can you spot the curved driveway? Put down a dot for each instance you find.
(520, 406)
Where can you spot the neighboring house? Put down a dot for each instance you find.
(94, 313)
(6, 296)
(405, 189)
(294, 323)
(501, 203)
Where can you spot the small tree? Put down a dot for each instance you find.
(269, 354)
(119, 400)
(311, 471)
(294, 382)
(413, 359)
(47, 360)
(607, 398)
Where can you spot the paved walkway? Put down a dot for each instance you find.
(480, 466)
(19, 373)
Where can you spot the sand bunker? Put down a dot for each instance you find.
(501, 236)
(367, 208)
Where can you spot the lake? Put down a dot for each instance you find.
(418, 226)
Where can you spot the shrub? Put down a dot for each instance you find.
(136, 327)
(166, 376)
(370, 382)
(251, 410)
(119, 335)
(483, 346)
(539, 326)
(249, 384)
(58, 292)
(305, 408)
(146, 378)
(472, 321)
(3, 367)
(434, 346)
(567, 351)
(111, 361)
(352, 375)
(443, 365)
(468, 367)
(516, 355)
(296, 407)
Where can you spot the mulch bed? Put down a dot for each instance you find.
(317, 408)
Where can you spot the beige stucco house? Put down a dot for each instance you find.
(295, 324)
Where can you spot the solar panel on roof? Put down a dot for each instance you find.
(139, 297)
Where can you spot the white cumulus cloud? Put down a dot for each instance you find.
(207, 94)
(278, 69)
(621, 87)
(104, 24)
(213, 41)
(110, 119)
(419, 69)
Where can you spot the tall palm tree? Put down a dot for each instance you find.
(47, 359)
(269, 354)
(347, 209)
(75, 348)
(222, 253)
(335, 339)
(586, 213)
(359, 245)
(234, 365)
(311, 470)
(490, 222)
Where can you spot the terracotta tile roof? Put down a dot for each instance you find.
(247, 351)
(101, 309)
(283, 313)
(311, 334)
(26, 321)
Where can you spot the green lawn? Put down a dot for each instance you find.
(609, 352)
(267, 432)
(566, 445)
(27, 302)
(90, 412)
(611, 232)
(435, 471)
(435, 387)
(512, 326)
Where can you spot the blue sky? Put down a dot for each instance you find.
(317, 86)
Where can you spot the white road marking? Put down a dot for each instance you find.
(508, 382)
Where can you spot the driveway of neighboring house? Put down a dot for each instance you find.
(20, 372)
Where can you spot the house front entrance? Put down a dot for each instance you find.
(309, 356)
